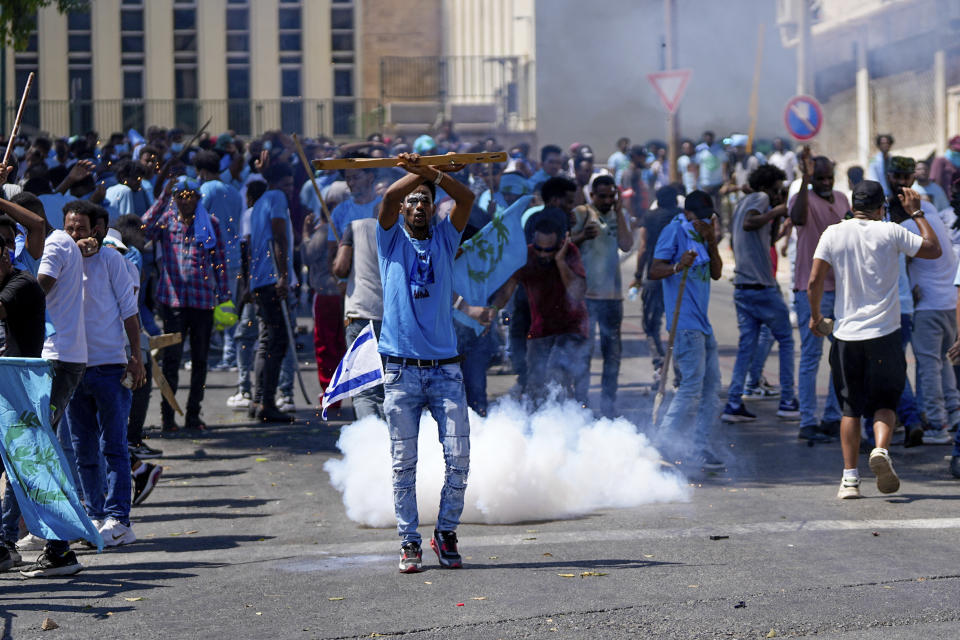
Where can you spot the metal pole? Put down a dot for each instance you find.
(803, 47)
(3, 87)
(669, 9)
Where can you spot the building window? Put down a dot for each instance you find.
(291, 65)
(131, 63)
(342, 20)
(24, 63)
(238, 66)
(185, 64)
(80, 70)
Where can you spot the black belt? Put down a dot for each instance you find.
(417, 362)
(753, 286)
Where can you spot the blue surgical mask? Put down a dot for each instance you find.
(20, 152)
(176, 147)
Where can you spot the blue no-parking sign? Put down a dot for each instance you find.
(803, 117)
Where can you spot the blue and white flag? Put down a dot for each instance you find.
(360, 369)
(32, 456)
(490, 258)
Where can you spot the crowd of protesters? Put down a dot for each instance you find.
(222, 241)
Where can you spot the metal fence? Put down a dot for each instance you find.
(341, 118)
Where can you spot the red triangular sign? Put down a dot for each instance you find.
(670, 86)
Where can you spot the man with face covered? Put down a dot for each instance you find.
(816, 206)
(193, 280)
(689, 243)
(419, 346)
(934, 301)
(756, 294)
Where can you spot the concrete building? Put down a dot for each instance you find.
(342, 68)
(880, 66)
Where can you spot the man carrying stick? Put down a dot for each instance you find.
(419, 346)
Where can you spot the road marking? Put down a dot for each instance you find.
(620, 535)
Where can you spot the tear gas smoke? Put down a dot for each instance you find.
(556, 463)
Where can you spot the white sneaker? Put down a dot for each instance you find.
(240, 400)
(882, 467)
(115, 533)
(31, 542)
(849, 488)
(285, 404)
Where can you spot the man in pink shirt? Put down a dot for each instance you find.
(814, 208)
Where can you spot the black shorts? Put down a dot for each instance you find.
(868, 375)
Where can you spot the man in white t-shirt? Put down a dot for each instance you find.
(867, 361)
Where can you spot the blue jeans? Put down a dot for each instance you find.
(695, 354)
(368, 402)
(288, 367)
(476, 352)
(652, 298)
(608, 314)
(760, 355)
(562, 360)
(758, 308)
(811, 350)
(97, 417)
(245, 342)
(517, 334)
(408, 390)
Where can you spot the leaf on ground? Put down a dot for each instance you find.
(261, 459)
(693, 586)
(427, 582)
(259, 613)
(772, 633)
(646, 555)
(548, 555)
(48, 624)
(479, 598)
(592, 574)
(336, 598)
(529, 538)
(190, 533)
(137, 599)
(567, 575)
(492, 557)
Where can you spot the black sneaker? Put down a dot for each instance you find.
(444, 543)
(52, 564)
(955, 466)
(11, 548)
(810, 433)
(6, 562)
(411, 558)
(144, 451)
(913, 437)
(709, 461)
(145, 481)
(737, 414)
(829, 428)
(272, 414)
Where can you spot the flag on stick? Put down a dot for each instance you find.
(360, 369)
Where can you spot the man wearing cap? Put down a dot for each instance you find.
(601, 229)
(193, 280)
(866, 358)
(816, 206)
(934, 303)
(689, 244)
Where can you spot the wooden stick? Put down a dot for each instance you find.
(434, 161)
(195, 137)
(665, 368)
(16, 123)
(316, 189)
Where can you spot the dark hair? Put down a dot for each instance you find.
(101, 215)
(131, 230)
(547, 150)
(30, 202)
(277, 171)
(765, 176)
(623, 140)
(7, 221)
(546, 226)
(855, 174)
(207, 161)
(556, 187)
(123, 169)
(255, 189)
(432, 188)
(603, 179)
(147, 149)
(881, 136)
(83, 208)
(579, 160)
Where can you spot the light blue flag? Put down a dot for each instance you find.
(32, 456)
(361, 368)
(489, 258)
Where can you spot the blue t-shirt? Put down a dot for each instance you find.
(22, 260)
(696, 294)
(348, 211)
(271, 205)
(224, 202)
(417, 277)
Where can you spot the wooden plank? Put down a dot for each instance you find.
(434, 161)
(164, 340)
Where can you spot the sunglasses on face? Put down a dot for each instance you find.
(418, 198)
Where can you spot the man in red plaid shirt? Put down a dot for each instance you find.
(193, 280)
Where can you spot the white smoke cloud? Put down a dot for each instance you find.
(556, 463)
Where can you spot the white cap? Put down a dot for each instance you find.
(113, 240)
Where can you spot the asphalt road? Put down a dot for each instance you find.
(245, 538)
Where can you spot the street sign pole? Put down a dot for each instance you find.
(671, 41)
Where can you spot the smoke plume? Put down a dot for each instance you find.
(556, 463)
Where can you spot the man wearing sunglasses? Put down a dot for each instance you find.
(419, 346)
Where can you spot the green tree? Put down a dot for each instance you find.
(18, 17)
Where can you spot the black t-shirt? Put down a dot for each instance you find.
(22, 331)
(655, 220)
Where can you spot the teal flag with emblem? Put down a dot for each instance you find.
(32, 455)
(489, 258)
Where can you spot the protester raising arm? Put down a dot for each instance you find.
(421, 174)
(35, 225)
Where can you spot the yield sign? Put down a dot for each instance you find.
(670, 86)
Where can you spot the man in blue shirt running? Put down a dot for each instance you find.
(419, 346)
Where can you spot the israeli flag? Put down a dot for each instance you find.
(32, 456)
(360, 369)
